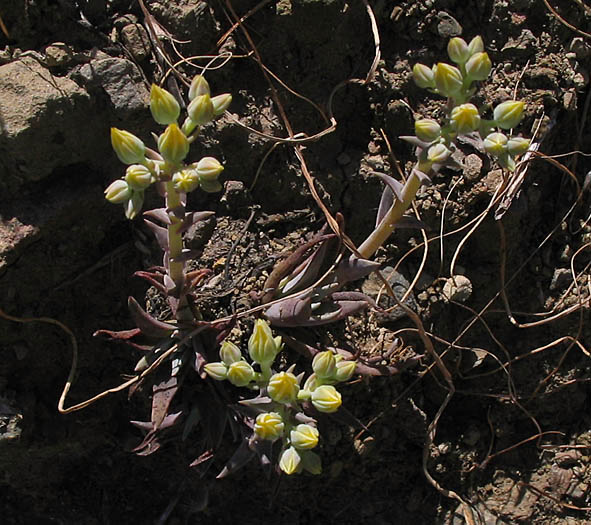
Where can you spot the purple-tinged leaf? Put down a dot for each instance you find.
(177, 211)
(292, 311)
(353, 268)
(423, 177)
(415, 141)
(386, 202)
(206, 456)
(146, 323)
(163, 394)
(395, 186)
(121, 335)
(307, 272)
(153, 278)
(159, 214)
(240, 458)
(193, 218)
(160, 233)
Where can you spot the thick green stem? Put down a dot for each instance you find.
(395, 213)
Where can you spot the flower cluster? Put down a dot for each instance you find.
(435, 141)
(284, 415)
(146, 166)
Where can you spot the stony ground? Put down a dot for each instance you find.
(513, 443)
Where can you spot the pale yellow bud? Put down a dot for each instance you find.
(209, 168)
(427, 129)
(448, 79)
(290, 461)
(185, 181)
(262, 346)
(134, 205)
(220, 103)
(458, 50)
(138, 177)
(478, 66)
(173, 144)
(438, 153)
(283, 387)
(344, 370)
(217, 371)
(199, 86)
(304, 437)
(465, 118)
(201, 110)
(129, 148)
(508, 114)
(517, 145)
(269, 426)
(164, 107)
(495, 144)
(423, 76)
(118, 192)
(324, 364)
(326, 398)
(240, 373)
(476, 45)
(230, 353)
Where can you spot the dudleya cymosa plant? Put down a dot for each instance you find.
(285, 409)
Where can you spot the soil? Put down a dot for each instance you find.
(514, 441)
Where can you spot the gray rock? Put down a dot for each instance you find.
(448, 26)
(46, 122)
(373, 285)
(121, 81)
(136, 40)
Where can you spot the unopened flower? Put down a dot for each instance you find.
(240, 373)
(495, 144)
(517, 145)
(290, 461)
(138, 177)
(324, 364)
(209, 168)
(118, 192)
(448, 79)
(201, 110)
(173, 144)
(185, 181)
(508, 114)
(465, 118)
(476, 45)
(262, 346)
(283, 387)
(326, 398)
(438, 153)
(199, 86)
(304, 437)
(458, 50)
(269, 426)
(478, 66)
(220, 103)
(344, 370)
(230, 353)
(134, 205)
(129, 148)
(423, 76)
(427, 129)
(164, 107)
(217, 371)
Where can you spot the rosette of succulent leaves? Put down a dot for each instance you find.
(310, 300)
(284, 407)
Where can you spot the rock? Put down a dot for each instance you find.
(58, 55)
(472, 167)
(372, 286)
(448, 26)
(560, 278)
(581, 49)
(136, 40)
(121, 81)
(457, 288)
(46, 123)
(523, 46)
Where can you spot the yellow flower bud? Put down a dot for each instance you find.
(290, 461)
(448, 79)
(240, 373)
(118, 192)
(134, 205)
(478, 66)
(128, 147)
(217, 371)
(508, 114)
(344, 370)
(164, 107)
(209, 168)
(138, 177)
(476, 45)
(465, 118)
(458, 51)
(517, 145)
(185, 181)
(262, 346)
(199, 86)
(423, 76)
(304, 437)
(221, 103)
(495, 144)
(427, 129)
(269, 426)
(173, 144)
(326, 398)
(324, 364)
(201, 110)
(438, 153)
(230, 353)
(283, 387)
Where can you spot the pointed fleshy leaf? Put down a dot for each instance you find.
(386, 202)
(145, 322)
(240, 458)
(159, 214)
(395, 186)
(307, 272)
(160, 233)
(415, 141)
(162, 396)
(155, 279)
(353, 268)
(423, 177)
(193, 218)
